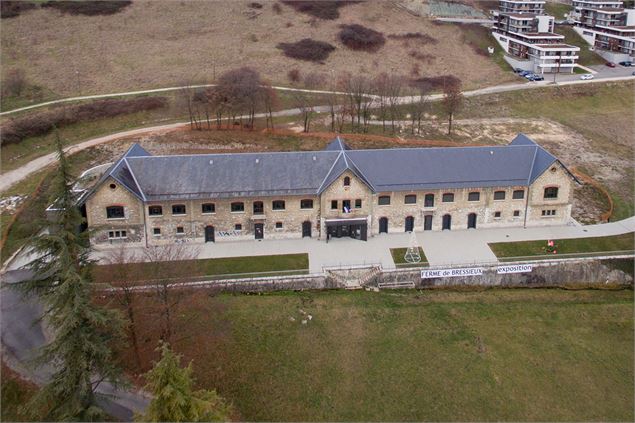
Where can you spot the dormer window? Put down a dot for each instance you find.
(347, 181)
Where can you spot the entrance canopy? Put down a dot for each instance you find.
(353, 221)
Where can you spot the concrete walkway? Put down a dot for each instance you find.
(456, 247)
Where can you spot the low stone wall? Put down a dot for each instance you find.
(543, 274)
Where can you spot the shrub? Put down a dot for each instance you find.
(358, 37)
(320, 9)
(424, 57)
(294, 75)
(423, 38)
(437, 82)
(307, 49)
(11, 9)
(42, 123)
(255, 5)
(276, 8)
(14, 83)
(89, 8)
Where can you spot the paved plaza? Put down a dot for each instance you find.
(441, 248)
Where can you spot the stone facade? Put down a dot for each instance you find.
(491, 208)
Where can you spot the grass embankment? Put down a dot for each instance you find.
(530, 355)
(557, 10)
(564, 247)
(587, 57)
(398, 257)
(230, 267)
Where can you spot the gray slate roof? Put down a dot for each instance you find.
(157, 178)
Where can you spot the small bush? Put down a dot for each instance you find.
(423, 38)
(307, 49)
(277, 8)
(11, 9)
(89, 8)
(320, 9)
(42, 123)
(436, 82)
(255, 5)
(294, 75)
(358, 37)
(14, 83)
(423, 57)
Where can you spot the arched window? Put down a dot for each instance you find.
(237, 207)
(278, 205)
(428, 200)
(114, 212)
(178, 209)
(410, 199)
(347, 181)
(155, 210)
(551, 192)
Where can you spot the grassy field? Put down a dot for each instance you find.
(572, 246)
(587, 57)
(159, 44)
(398, 255)
(557, 10)
(235, 267)
(517, 355)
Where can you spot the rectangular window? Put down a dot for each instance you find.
(474, 196)
(278, 225)
(518, 194)
(238, 227)
(499, 195)
(346, 206)
(237, 207)
(114, 212)
(306, 204)
(180, 230)
(333, 204)
(497, 215)
(428, 200)
(178, 209)
(156, 231)
(383, 200)
(117, 234)
(410, 199)
(208, 208)
(551, 192)
(448, 197)
(548, 212)
(516, 213)
(358, 203)
(277, 205)
(155, 211)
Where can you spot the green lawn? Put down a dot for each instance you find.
(583, 246)
(398, 257)
(515, 355)
(587, 57)
(234, 267)
(557, 10)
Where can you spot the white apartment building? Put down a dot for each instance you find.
(531, 44)
(606, 26)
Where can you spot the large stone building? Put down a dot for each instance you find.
(338, 192)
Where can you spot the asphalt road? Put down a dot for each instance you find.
(22, 334)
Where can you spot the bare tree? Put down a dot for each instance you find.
(270, 101)
(380, 89)
(123, 277)
(238, 91)
(169, 265)
(186, 95)
(394, 89)
(331, 99)
(452, 100)
(416, 108)
(303, 100)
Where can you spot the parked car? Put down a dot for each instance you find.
(626, 64)
(518, 70)
(633, 73)
(530, 76)
(586, 76)
(538, 78)
(524, 73)
(610, 64)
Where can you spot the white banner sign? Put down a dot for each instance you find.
(516, 268)
(451, 273)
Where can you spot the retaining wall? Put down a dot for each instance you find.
(544, 274)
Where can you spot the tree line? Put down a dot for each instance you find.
(352, 100)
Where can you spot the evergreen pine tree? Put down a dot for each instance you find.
(174, 400)
(80, 351)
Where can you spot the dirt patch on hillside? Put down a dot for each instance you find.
(154, 43)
